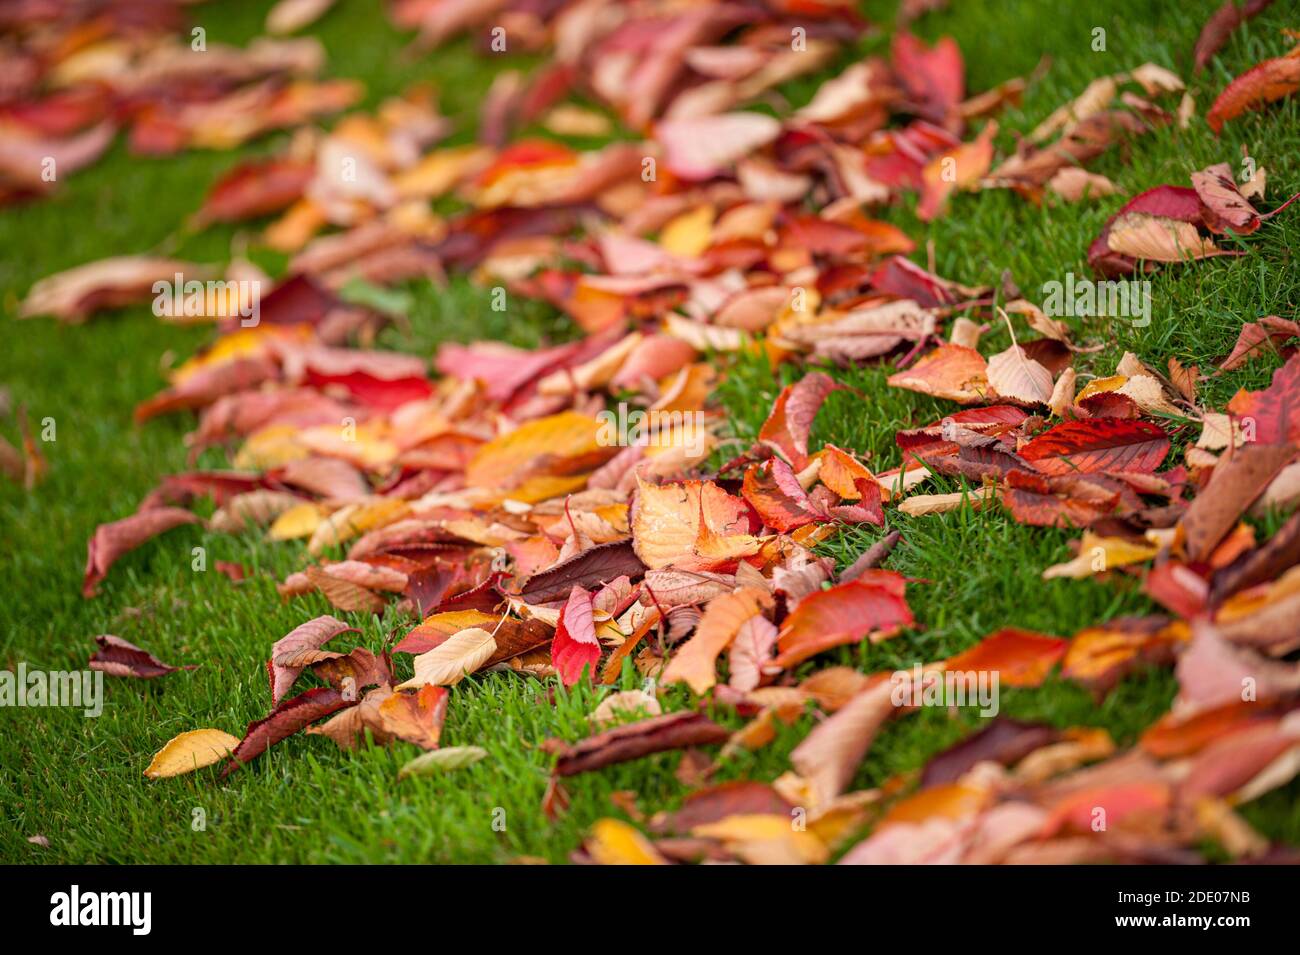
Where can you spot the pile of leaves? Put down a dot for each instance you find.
(488, 497)
(76, 72)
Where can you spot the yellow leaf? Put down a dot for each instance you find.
(763, 838)
(1100, 554)
(299, 521)
(190, 751)
(271, 447)
(672, 520)
(438, 172)
(453, 621)
(613, 842)
(689, 234)
(241, 343)
(356, 519)
(367, 445)
(548, 445)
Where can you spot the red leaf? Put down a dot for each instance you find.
(1065, 501)
(113, 540)
(1178, 588)
(377, 393)
(934, 78)
(788, 426)
(575, 645)
(116, 657)
(1275, 411)
(1098, 444)
(775, 492)
(282, 722)
(1227, 208)
(1219, 27)
(256, 188)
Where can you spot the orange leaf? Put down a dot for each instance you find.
(1020, 657)
(696, 662)
(950, 371)
(843, 614)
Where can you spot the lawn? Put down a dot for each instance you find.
(78, 781)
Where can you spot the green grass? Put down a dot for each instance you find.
(78, 781)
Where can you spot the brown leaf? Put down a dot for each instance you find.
(354, 671)
(738, 798)
(634, 740)
(299, 648)
(1004, 741)
(830, 755)
(1237, 481)
(343, 593)
(109, 283)
(1219, 27)
(589, 569)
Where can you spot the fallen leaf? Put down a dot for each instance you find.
(575, 649)
(1098, 444)
(840, 615)
(285, 720)
(439, 761)
(111, 541)
(1019, 657)
(695, 662)
(300, 648)
(1262, 84)
(447, 663)
(116, 657)
(190, 751)
(634, 740)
